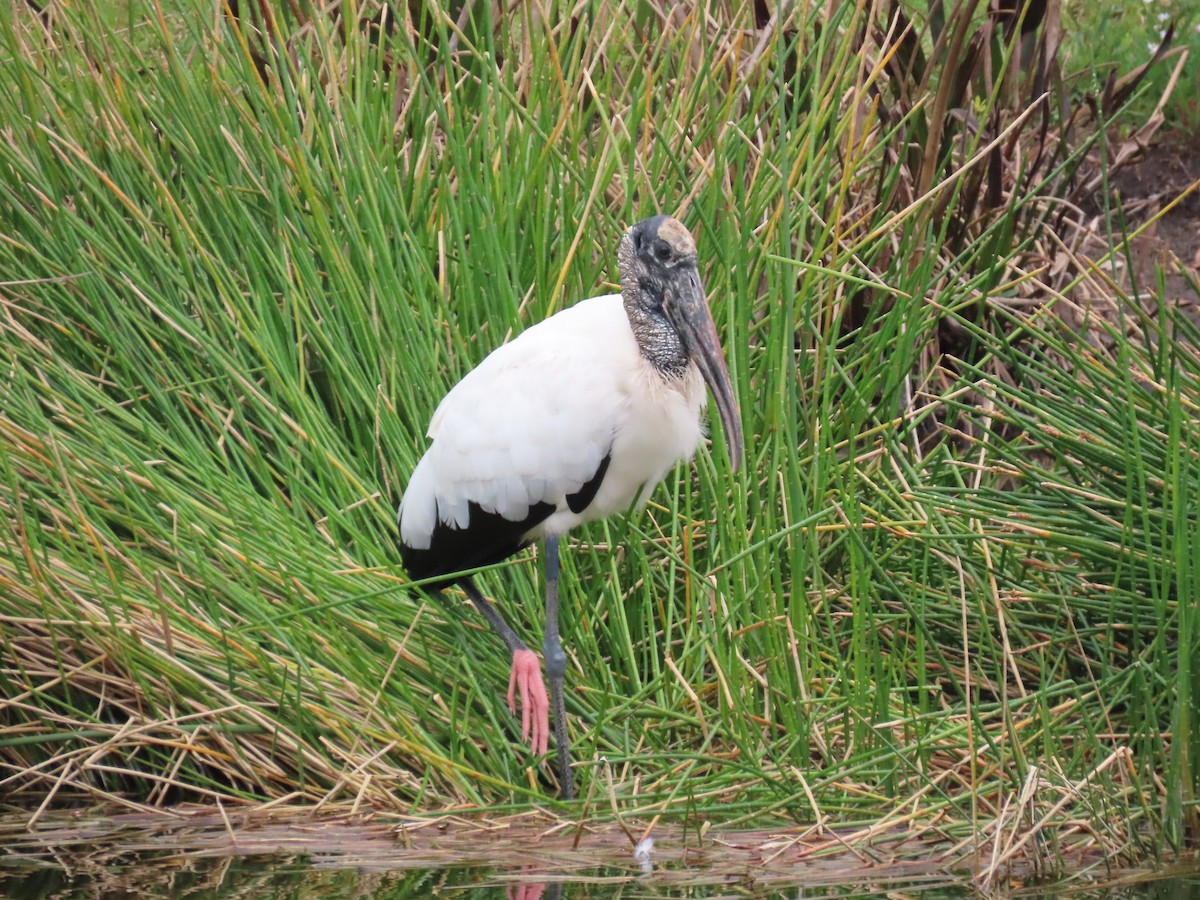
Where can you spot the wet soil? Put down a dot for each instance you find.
(1170, 168)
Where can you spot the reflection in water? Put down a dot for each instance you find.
(534, 890)
(194, 852)
(194, 877)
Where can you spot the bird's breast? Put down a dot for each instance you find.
(660, 426)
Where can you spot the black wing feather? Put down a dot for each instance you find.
(488, 538)
(582, 498)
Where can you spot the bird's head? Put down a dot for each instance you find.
(654, 253)
(660, 280)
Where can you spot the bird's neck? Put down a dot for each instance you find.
(657, 338)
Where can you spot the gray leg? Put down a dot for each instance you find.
(556, 667)
(489, 612)
(525, 676)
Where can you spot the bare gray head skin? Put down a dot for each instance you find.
(664, 299)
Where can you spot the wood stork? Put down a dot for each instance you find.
(577, 418)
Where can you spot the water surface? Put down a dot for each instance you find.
(202, 853)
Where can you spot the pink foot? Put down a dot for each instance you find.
(526, 677)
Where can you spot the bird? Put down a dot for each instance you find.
(577, 418)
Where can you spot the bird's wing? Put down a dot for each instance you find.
(532, 424)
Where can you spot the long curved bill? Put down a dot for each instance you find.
(688, 312)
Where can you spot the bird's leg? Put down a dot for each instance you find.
(525, 676)
(556, 667)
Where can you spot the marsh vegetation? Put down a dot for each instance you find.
(952, 591)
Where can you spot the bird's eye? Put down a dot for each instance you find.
(663, 252)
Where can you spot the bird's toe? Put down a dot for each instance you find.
(525, 679)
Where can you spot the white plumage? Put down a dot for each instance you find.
(577, 418)
(535, 419)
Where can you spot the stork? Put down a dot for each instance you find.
(577, 418)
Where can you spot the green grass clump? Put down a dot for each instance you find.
(1111, 39)
(954, 586)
